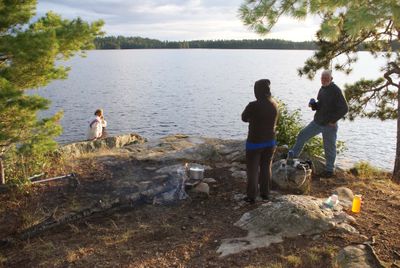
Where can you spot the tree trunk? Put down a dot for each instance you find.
(2, 176)
(396, 170)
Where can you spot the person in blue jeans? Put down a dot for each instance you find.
(262, 116)
(330, 107)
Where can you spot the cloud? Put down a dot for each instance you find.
(171, 19)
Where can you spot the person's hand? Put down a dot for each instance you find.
(311, 102)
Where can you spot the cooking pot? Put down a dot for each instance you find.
(196, 173)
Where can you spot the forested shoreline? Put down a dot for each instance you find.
(122, 42)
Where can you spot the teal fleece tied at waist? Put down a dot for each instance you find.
(254, 146)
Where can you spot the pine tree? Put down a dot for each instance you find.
(28, 52)
(346, 27)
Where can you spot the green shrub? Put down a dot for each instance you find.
(288, 127)
(24, 162)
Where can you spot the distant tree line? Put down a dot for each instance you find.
(122, 42)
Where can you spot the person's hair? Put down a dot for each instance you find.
(262, 88)
(98, 112)
(326, 72)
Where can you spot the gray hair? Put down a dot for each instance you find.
(326, 73)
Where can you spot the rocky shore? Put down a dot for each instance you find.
(132, 172)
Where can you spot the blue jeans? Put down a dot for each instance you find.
(328, 137)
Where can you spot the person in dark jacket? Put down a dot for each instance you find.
(262, 116)
(330, 107)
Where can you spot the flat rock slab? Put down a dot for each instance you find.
(358, 256)
(79, 148)
(189, 149)
(288, 216)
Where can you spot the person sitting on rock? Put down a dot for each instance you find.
(96, 126)
(262, 116)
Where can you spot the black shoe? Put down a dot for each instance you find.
(249, 200)
(327, 174)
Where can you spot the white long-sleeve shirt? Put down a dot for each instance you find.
(103, 123)
(95, 128)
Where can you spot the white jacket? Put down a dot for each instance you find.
(95, 128)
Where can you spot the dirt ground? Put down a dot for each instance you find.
(188, 233)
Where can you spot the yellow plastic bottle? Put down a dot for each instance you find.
(356, 208)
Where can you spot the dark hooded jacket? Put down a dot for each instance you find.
(261, 114)
(331, 106)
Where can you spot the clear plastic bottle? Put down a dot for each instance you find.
(332, 201)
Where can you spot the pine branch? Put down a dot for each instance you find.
(395, 70)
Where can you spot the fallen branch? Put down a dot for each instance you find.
(130, 200)
(36, 176)
(68, 176)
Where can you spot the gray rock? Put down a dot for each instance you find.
(316, 237)
(222, 165)
(358, 256)
(169, 169)
(202, 187)
(185, 149)
(209, 180)
(318, 163)
(345, 196)
(238, 197)
(346, 228)
(239, 166)
(239, 174)
(288, 216)
(236, 156)
(344, 217)
(231, 146)
(205, 167)
(233, 169)
(79, 148)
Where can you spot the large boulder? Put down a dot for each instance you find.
(77, 149)
(185, 148)
(288, 216)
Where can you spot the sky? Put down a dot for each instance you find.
(175, 20)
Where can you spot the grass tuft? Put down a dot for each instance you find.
(293, 261)
(365, 170)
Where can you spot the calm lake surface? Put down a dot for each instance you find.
(202, 92)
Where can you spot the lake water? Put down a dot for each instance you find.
(202, 92)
